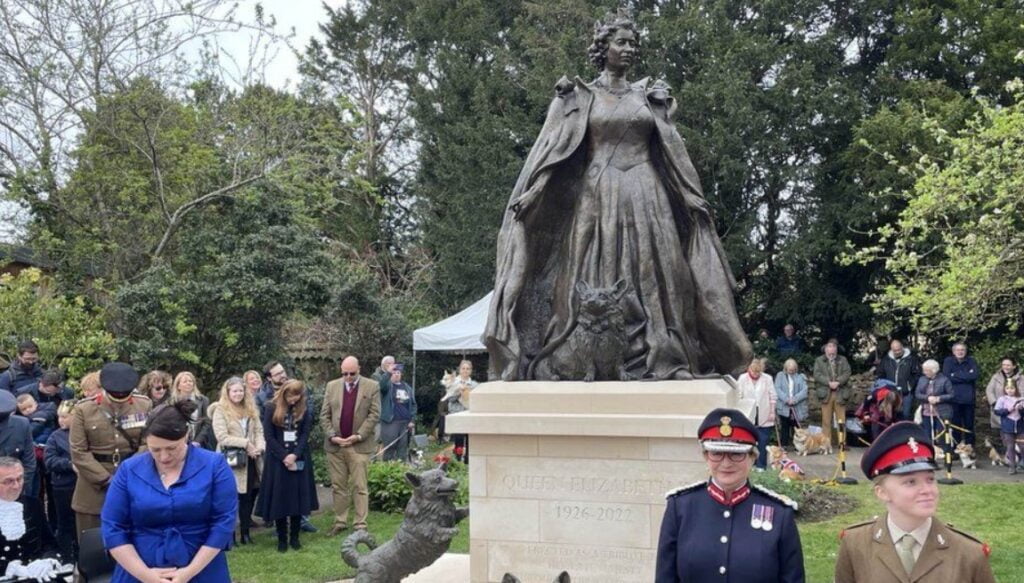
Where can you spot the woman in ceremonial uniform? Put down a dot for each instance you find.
(907, 544)
(726, 529)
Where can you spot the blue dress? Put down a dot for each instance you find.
(167, 526)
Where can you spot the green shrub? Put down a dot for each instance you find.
(389, 490)
(989, 353)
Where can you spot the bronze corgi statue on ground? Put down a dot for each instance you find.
(425, 534)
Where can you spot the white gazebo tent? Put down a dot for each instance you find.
(461, 333)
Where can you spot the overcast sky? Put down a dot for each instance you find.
(302, 16)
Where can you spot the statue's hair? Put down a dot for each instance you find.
(604, 31)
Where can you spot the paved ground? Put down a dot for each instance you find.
(824, 467)
(450, 568)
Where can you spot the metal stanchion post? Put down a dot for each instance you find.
(843, 478)
(949, 480)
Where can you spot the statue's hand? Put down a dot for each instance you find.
(522, 204)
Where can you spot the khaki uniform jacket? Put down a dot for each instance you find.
(867, 554)
(94, 434)
(229, 434)
(364, 420)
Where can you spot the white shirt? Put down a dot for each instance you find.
(919, 534)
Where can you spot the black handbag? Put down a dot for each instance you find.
(236, 457)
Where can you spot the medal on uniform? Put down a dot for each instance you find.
(756, 516)
(769, 513)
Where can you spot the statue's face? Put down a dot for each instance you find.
(622, 49)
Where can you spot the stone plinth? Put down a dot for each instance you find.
(572, 476)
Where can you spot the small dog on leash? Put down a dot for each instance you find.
(808, 443)
(995, 457)
(967, 456)
(789, 470)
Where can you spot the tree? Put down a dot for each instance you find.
(58, 58)
(958, 260)
(243, 268)
(147, 163)
(69, 330)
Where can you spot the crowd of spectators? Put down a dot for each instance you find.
(940, 395)
(82, 464)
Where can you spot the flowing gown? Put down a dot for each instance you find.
(608, 196)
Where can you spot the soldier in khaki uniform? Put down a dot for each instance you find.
(106, 429)
(908, 544)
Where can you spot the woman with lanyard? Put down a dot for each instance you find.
(288, 492)
(725, 528)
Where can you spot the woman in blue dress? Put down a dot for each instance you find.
(170, 512)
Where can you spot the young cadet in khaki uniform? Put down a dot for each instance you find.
(908, 544)
(106, 429)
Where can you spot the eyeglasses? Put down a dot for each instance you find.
(734, 456)
(349, 374)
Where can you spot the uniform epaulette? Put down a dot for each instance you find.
(842, 533)
(92, 399)
(686, 488)
(138, 396)
(984, 546)
(780, 497)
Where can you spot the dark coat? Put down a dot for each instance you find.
(57, 459)
(963, 374)
(789, 346)
(387, 400)
(16, 442)
(943, 389)
(37, 542)
(16, 378)
(283, 492)
(903, 372)
(703, 540)
(64, 394)
(264, 396)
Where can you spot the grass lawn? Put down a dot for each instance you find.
(319, 560)
(988, 511)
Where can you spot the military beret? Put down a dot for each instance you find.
(901, 449)
(118, 377)
(727, 430)
(7, 403)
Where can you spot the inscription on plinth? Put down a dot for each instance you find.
(539, 563)
(589, 480)
(597, 523)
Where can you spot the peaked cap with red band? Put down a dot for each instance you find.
(901, 449)
(727, 430)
